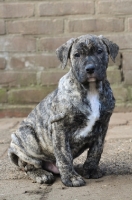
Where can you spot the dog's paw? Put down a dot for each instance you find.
(92, 173)
(41, 176)
(73, 180)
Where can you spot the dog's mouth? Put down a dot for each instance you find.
(91, 78)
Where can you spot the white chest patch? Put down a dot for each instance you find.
(93, 98)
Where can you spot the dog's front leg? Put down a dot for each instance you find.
(64, 160)
(90, 167)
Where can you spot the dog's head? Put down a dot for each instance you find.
(89, 56)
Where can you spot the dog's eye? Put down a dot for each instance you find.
(77, 55)
(99, 51)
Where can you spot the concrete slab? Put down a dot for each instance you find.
(9, 123)
(119, 132)
(110, 188)
(120, 119)
(7, 126)
(5, 136)
(3, 149)
(22, 189)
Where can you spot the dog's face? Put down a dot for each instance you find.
(89, 56)
(89, 59)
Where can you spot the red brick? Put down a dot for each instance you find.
(66, 8)
(46, 26)
(2, 27)
(2, 63)
(15, 10)
(128, 77)
(34, 61)
(15, 111)
(16, 79)
(114, 7)
(123, 40)
(17, 62)
(95, 25)
(51, 44)
(127, 60)
(17, 44)
(51, 78)
(29, 95)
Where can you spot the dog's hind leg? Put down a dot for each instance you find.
(41, 176)
(38, 175)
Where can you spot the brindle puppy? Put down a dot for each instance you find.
(71, 119)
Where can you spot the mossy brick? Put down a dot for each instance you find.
(123, 107)
(128, 77)
(127, 60)
(3, 96)
(120, 93)
(29, 95)
(117, 62)
(114, 75)
(129, 93)
(17, 79)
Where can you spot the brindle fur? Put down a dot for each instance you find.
(51, 131)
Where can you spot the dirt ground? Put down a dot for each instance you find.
(116, 163)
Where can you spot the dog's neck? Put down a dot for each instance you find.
(70, 83)
(92, 88)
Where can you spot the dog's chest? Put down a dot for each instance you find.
(93, 99)
(94, 112)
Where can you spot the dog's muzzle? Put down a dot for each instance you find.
(90, 69)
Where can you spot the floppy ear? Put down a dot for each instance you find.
(111, 47)
(64, 51)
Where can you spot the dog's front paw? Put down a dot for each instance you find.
(92, 173)
(73, 180)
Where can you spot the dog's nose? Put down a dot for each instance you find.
(90, 68)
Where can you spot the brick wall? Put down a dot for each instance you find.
(30, 31)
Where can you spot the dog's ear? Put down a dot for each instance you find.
(111, 47)
(63, 52)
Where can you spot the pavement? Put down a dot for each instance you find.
(116, 163)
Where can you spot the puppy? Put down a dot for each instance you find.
(71, 119)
